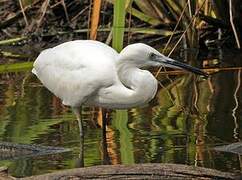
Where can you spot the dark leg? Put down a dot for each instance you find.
(104, 122)
(106, 159)
(80, 160)
(76, 111)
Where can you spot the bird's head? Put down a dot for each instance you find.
(142, 55)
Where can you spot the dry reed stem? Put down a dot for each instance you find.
(160, 15)
(65, 10)
(195, 15)
(178, 22)
(43, 9)
(95, 18)
(22, 9)
(189, 8)
(170, 38)
(78, 14)
(232, 24)
(109, 38)
(54, 5)
(168, 42)
(206, 8)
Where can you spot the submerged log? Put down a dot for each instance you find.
(233, 148)
(138, 171)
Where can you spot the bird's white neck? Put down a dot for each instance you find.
(139, 86)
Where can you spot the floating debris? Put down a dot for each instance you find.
(16, 151)
(233, 148)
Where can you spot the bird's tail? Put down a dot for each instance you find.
(34, 71)
(41, 62)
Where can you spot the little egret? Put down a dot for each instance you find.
(92, 73)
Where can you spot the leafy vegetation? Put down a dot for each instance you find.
(202, 20)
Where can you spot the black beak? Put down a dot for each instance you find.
(176, 64)
(188, 68)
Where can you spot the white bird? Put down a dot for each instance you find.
(86, 72)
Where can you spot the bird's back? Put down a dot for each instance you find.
(75, 70)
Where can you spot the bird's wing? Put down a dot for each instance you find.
(76, 70)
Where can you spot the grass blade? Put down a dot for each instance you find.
(118, 24)
(16, 67)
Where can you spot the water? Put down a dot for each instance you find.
(188, 117)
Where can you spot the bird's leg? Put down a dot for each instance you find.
(76, 111)
(80, 159)
(104, 122)
(106, 158)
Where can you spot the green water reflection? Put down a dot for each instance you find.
(187, 118)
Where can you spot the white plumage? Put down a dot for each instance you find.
(92, 73)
